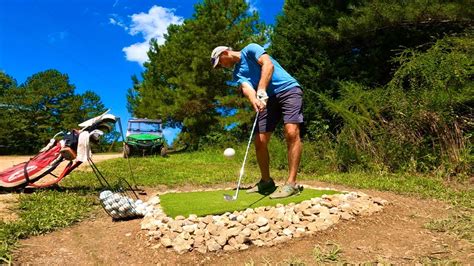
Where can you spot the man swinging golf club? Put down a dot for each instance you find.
(274, 94)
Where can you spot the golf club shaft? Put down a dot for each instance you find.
(128, 159)
(245, 157)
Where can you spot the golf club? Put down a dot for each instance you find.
(140, 191)
(232, 198)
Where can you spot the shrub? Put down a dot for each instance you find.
(420, 121)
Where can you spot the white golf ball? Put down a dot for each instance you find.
(104, 194)
(123, 201)
(229, 152)
(109, 201)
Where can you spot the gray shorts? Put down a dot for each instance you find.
(287, 104)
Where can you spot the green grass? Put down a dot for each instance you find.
(461, 223)
(212, 202)
(196, 168)
(327, 254)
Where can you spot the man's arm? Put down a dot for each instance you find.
(267, 71)
(249, 92)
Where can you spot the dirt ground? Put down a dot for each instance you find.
(396, 235)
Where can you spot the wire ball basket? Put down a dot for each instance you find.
(121, 202)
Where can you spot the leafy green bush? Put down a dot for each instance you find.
(421, 121)
(318, 156)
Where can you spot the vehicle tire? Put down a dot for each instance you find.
(126, 151)
(164, 151)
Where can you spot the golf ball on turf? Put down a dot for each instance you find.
(229, 152)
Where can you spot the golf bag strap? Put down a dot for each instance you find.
(25, 171)
(70, 166)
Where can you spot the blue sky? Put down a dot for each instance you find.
(99, 44)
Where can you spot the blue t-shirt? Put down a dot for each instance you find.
(249, 70)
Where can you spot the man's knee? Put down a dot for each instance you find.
(261, 141)
(292, 133)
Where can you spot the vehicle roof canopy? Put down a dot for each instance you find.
(144, 120)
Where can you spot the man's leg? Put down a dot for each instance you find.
(294, 148)
(291, 103)
(263, 157)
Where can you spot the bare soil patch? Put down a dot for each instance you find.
(395, 235)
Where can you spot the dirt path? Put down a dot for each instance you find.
(8, 201)
(396, 235)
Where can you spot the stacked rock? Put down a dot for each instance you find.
(262, 226)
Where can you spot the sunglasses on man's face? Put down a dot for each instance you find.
(218, 64)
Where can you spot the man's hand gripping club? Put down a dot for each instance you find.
(257, 99)
(262, 99)
(262, 96)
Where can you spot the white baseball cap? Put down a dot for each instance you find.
(216, 53)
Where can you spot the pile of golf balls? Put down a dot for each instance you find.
(120, 206)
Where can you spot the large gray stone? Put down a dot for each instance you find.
(264, 229)
(181, 245)
(166, 242)
(212, 245)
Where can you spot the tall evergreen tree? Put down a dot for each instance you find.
(50, 97)
(323, 42)
(45, 104)
(6, 83)
(178, 85)
(91, 105)
(9, 114)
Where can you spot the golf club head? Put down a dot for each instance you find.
(228, 197)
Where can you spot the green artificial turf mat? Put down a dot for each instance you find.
(203, 203)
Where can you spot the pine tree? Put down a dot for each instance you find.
(179, 84)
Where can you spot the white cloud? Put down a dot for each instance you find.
(137, 52)
(153, 24)
(115, 20)
(252, 5)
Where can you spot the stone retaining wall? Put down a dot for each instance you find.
(262, 226)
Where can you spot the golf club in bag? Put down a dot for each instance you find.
(232, 198)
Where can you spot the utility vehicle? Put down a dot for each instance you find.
(144, 137)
